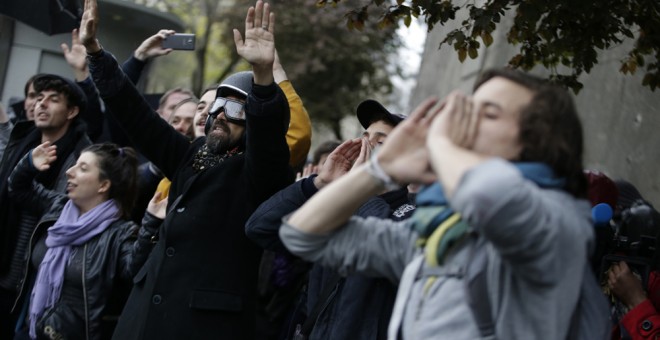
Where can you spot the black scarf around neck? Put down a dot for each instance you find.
(205, 159)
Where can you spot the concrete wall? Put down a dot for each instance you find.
(619, 116)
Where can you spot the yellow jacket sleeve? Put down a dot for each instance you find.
(299, 135)
(164, 188)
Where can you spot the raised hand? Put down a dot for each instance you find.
(76, 56)
(338, 163)
(43, 156)
(152, 46)
(458, 122)
(307, 171)
(365, 153)
(258, 48)
(624, 285)
(403, 155)
(88, 27)
(158, 205)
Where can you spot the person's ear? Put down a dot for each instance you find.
(73, 112)
(105, 186)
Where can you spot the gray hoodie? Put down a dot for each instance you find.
(537, 246)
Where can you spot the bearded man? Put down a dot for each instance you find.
(199, 282)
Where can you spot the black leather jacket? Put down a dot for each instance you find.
(109, 259)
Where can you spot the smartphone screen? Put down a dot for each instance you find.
(180, 41)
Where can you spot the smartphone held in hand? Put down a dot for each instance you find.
(180, 41)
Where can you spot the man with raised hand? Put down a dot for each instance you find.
(199, 281)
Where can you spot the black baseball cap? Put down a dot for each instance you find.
(370, 111)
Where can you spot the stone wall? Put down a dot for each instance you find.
(620, 117)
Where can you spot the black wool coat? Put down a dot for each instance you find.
(199, 281)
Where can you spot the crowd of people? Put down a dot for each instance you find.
(470, 218)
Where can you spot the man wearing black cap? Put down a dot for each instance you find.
(352, 307)
(58, 106)
(199, 281)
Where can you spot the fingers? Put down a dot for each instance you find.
(345, 146)
(164, 33)
(44, 145)
(250, 18)
(421, 109)
(238, 39)
(473, 125)
(354, 149)
(65, 49)
(156, 197)
(75, 37)
(262, 15)
(456, 119)
(433, 112)
(364, 147)
(89, 27)
(623, 266)
(271, 23)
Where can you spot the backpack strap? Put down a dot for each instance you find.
(476, 287)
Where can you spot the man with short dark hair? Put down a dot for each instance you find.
(56, 119)
(199, 281)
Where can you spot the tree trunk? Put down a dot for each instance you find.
(200, 58)
(234, 60)
(335, 126)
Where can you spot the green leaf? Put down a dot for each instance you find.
(473, 53)
(487, 38)
(349, 24)
(516, 60)
(462, 54)
(647, 79)
(407, 19)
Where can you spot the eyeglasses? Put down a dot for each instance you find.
(233, 109)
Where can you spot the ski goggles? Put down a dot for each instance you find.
(233, 109)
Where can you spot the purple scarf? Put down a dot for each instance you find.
(71, 229)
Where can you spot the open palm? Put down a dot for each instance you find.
(258, 48)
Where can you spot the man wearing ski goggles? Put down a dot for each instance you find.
(233, 109)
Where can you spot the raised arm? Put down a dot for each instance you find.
(136, 250)
(162, 145)
(403, 153)
(299, 134)
(76, 58)
(148, 49)
(22, 187)
(267, 111)
(265, 222)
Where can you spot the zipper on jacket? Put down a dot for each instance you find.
(29, 257)
(84, 288)
(327, 303)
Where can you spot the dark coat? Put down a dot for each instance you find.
(24, 137)
(200, 280)
(108, 259)
(359, 307)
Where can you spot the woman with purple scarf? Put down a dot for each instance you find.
(84, 249)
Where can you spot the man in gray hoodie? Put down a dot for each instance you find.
(506, 187)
